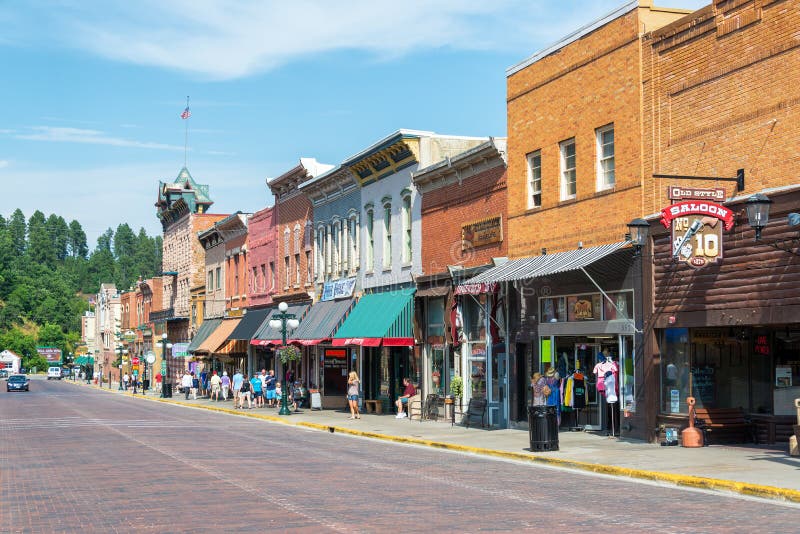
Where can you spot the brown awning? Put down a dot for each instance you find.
(218, 337)
(433, 291)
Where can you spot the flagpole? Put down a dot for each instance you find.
(186, 140)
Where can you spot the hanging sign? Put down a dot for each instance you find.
(338, 289)
(482, 232)
(696, 226)
(676, 192)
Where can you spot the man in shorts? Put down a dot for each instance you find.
(402, 400)
(255, 387)
(216, 385)
(225, 383)
(236, 381)
(270, 389)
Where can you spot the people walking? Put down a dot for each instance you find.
(255, 387)
(215, 386)
(237, 380)
(195, 385)
(353, 387)
(243, 394)
(225, 381)
(186, 384)
(125, 380)
(159, 378)
(271, 382)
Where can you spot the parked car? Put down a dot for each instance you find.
(54, 373)
(17, 383)
(3, 373)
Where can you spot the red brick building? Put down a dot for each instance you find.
(261, 265)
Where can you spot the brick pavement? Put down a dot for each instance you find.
(114, 463)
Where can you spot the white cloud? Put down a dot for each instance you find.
(231, 39)
(93, 137)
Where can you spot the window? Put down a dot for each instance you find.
(210, 284)
(352, 230)
(219, 277)
(253, 282)
(271, 275)
(370, 259)
(236, 275)
(328, 251)
(406, 216)
(535, 179)
(309, 269)
(568, 169)
(387, 236)
(605, 157)
(335, 248)
(287, 271)
(297, 269)
(345, 247)
(319, 263)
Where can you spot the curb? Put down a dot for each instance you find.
(742, 488)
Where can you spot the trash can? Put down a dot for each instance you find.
(167, 390)
(146, 384)
(543, 428)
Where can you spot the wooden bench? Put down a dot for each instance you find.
(724, 425)
(476, 409)
(373, 406)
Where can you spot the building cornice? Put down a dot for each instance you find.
(463, 166)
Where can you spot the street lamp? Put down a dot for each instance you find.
(758, 212)
(282, 321)
(638, 230)
(120, 353)
(166, 391)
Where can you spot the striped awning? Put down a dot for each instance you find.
(266, 335)
(205, 329)
(218, 337)
(234, 346)
(379, 319)
(545, 265)
(322, 321)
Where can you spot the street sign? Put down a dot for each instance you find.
(135, 360)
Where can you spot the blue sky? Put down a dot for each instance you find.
(93, 90)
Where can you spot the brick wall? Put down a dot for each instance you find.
(236, 278)
(445, 209)
(261, 250)
(292, 214)
(723, 98)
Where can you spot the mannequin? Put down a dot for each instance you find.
(606, 372)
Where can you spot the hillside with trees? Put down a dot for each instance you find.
(47, 273)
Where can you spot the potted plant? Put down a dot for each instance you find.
(289, 353)
(457, 389)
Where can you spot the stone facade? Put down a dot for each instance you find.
(560, 100)
(261, 247)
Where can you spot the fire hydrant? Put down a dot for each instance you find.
(692, 436)
(794, 449)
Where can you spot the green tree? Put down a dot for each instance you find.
(18, 228)
(40, 247)
(77, 240)
(59, 236)
(125, 245)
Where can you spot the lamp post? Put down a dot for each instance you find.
(758, 212)
(281, 321)
(165, 346)
(121, 353)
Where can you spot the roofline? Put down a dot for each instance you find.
(320, 177)
(391, 138)
(492, 142)
(574, 36)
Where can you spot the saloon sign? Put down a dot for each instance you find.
(696, 226)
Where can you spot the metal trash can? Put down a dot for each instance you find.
(543, 428)
(146, 384)
(167, 390)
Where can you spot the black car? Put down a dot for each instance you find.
(17, 383)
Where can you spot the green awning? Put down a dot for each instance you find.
(380, 319)
(84, 360)
(205, 330)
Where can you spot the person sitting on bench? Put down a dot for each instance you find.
(408, 392)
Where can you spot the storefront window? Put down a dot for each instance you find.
(474, 317)
(478, 378)
(674, 346)
(584, 308)
(438, 371)
(554, 310)
(624, 306)
(436, 317)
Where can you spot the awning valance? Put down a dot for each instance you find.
(206, 328)
(545, 265)
(321, 321)
(433, 291)
(379, 318)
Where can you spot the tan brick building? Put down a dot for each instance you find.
(294, 228)
(574, 135)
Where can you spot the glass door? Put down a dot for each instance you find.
(585, 356)
(498, 393)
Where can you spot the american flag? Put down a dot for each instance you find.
(186, 113)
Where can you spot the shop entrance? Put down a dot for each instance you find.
(584, 360)
(498, 392)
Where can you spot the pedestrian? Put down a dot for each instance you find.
(353, 386)
(403, 399)
(237, 380)
(186, 384)
(135, 382)
(159, 378)
(270, 389)
(125, 380)
(195, 385)
(255, 387)
(225, 382)
(204, 383)
(215, 386)
(278, 393)
(244, 394)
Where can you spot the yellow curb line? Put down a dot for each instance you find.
(744, 488)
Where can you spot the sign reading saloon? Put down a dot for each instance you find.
(697, 228)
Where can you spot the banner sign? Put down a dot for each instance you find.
(51, 354)
(709, 209)
(338, 289)
(477, 289)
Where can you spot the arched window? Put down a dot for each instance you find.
(387, 234)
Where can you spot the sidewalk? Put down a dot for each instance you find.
(758, 470)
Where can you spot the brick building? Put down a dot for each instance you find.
(720, 94)
(262, 249)
(294, 220)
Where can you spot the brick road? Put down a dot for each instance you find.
(79, 459)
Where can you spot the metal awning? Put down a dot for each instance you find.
(322, 321)
(250, 323)
(544, 265)
(266, 335)
(379, 318)
(205, 330)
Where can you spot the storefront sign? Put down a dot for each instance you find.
(707, 335)
(583, 308)
(676, 192)
(482, 232)
(338, 289)
(51, 354)
(696, 228)
(477, 289)
(762, 346)
(180, 350)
